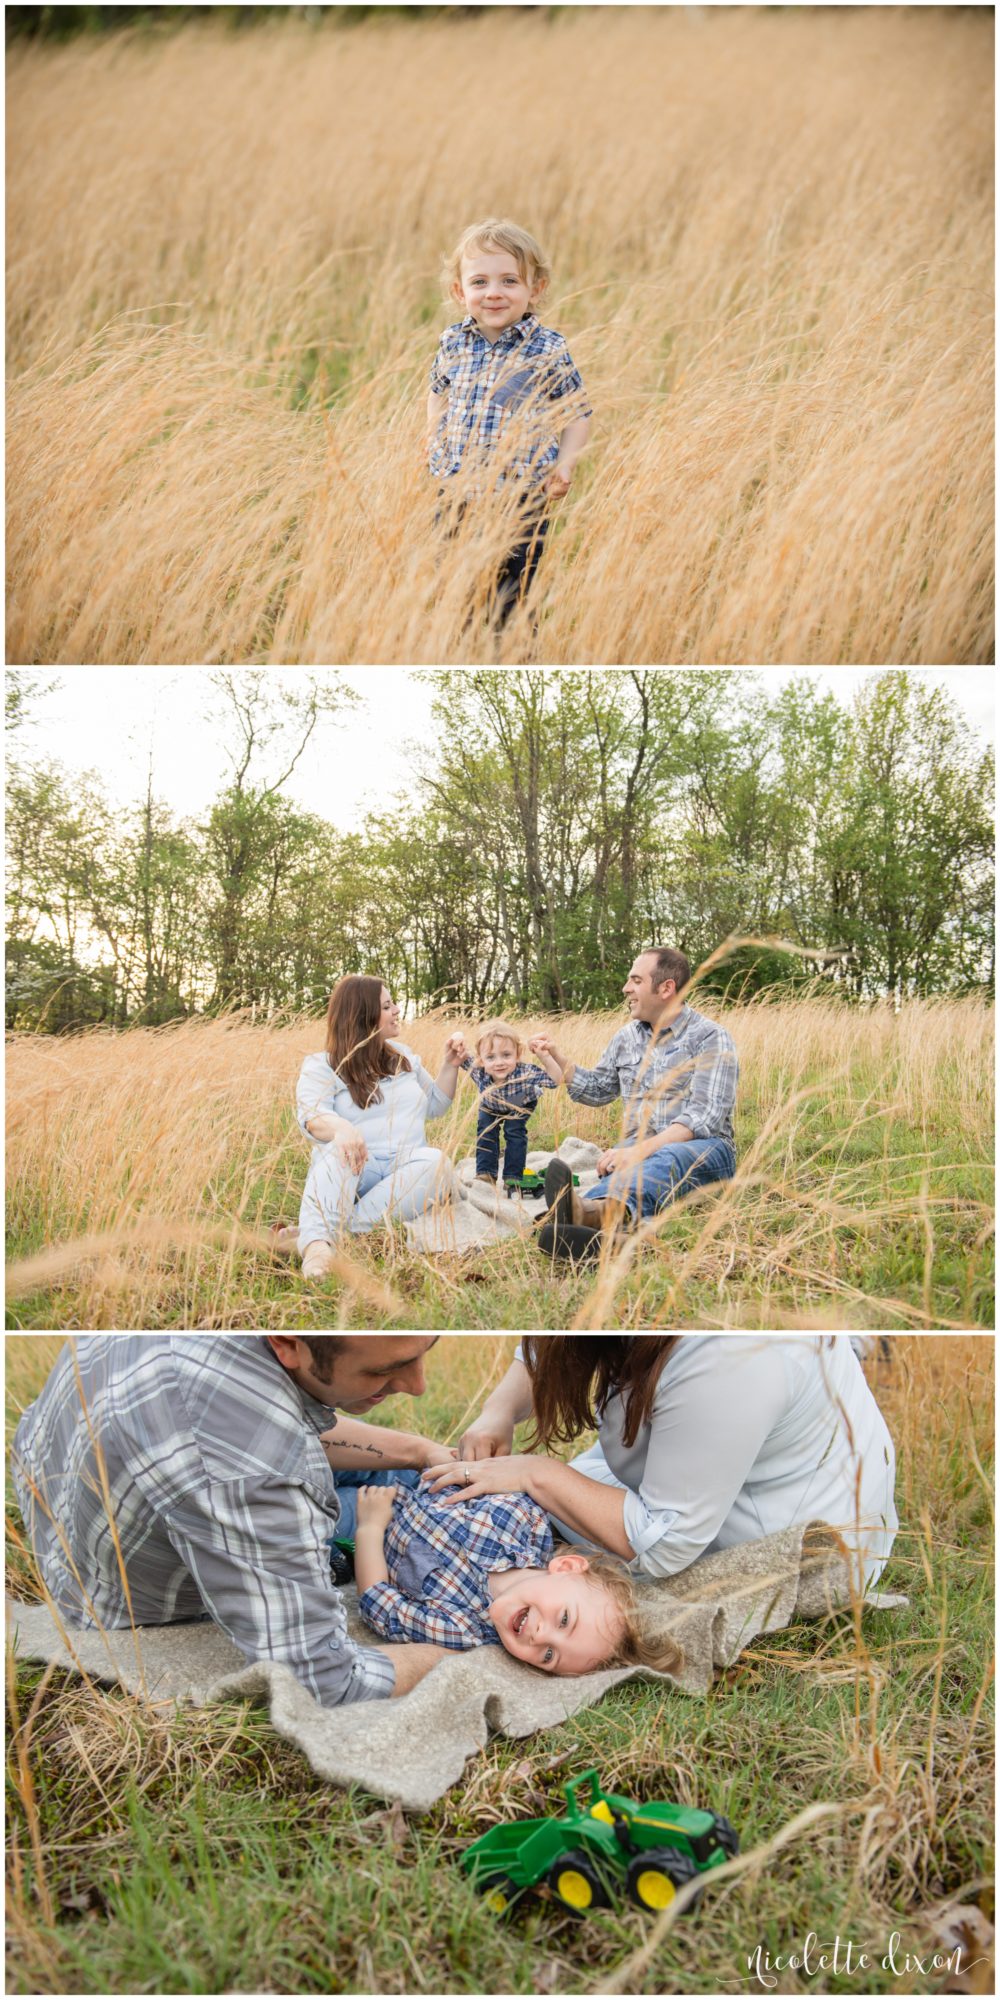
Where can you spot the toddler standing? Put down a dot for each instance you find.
(509, 1090)
(506, 401)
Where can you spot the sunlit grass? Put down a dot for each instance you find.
(771, 232)
(145, 1170)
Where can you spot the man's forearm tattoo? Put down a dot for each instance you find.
(370, 1450)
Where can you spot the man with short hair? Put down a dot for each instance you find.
(177, 1476)
(676, 1072)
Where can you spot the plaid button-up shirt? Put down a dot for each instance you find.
(439, 1560)
(517, 1095)
(517, 392)
(222, 1498)
(686, 1076)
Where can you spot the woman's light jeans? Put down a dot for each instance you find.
(391, 1187)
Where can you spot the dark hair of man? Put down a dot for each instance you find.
(324, 1348)
(353, 1046)
(670, 964)
(573, 1378)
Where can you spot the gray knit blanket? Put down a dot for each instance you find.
(414, 1748)
(475, 1215)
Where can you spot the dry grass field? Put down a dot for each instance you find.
(162, 1850)
(771, 237)
(145, 1168)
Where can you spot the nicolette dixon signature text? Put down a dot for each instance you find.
(843, 1956)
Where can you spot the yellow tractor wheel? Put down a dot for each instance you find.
(655, 1877)
(576, 1884)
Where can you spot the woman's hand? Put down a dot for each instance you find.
(455, 1050)
(351, 1150)
(486, 1440)
(488, 1475)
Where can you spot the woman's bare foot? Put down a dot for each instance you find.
(285, 1238)
(318, 1260)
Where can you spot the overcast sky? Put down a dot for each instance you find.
(111, 719)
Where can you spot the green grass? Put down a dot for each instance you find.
(196, 1852)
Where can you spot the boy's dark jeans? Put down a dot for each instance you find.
(517, 571)
(514, 1131)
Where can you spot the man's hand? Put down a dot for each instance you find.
(437, 1454)
(455, 1050)
(613, 1160)
(484, 1440)
(489, 1475)
(375, 1508)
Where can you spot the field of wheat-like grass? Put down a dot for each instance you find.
(146, 1168)
(771, 233)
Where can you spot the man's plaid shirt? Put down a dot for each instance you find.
(517, 392)
(687, 1076)
(439, 1560)
(222, 1497)
(516, 1096)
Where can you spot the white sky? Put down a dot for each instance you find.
(109, 719)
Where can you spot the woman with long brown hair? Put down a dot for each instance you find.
(703, 1441)
(363, 1102)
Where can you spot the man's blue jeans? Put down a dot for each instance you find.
(347, 1485)
(671, 1171)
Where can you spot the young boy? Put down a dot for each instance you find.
(505, 402)
(485, 1574)
(509, 1090)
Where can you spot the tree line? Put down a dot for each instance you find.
(556, 822)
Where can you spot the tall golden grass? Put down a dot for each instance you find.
(144, 1170)
(771, 234)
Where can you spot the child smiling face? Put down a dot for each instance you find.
(498, 1057)
(492, 288)
(560, 1619)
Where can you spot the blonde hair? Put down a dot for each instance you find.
(636, 1647)
(502, 1029)
(518, 243)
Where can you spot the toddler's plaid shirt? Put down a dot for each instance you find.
(439, 1559)
(522, 387)
(517, 1095)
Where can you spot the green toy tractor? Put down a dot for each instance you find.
(529, 1183)
(582, 1860)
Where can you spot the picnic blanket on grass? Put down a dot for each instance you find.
(413, 1749)
(478, 1215)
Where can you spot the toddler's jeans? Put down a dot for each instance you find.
(490, 1128)
(516, 573)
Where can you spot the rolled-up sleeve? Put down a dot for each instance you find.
(437, 1102)
(316, 1090)
(440, 380)
(257, 1550)
(397, 1617)
(707, 1107)
(712, 1416)
(600, 1085)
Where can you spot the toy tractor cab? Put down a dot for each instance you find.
(582, 1859)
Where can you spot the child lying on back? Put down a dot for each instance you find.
(484, 1574)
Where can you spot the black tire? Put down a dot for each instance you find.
(654, 1878)
(576, 1884)
(726, 1835)
(500, 1892)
